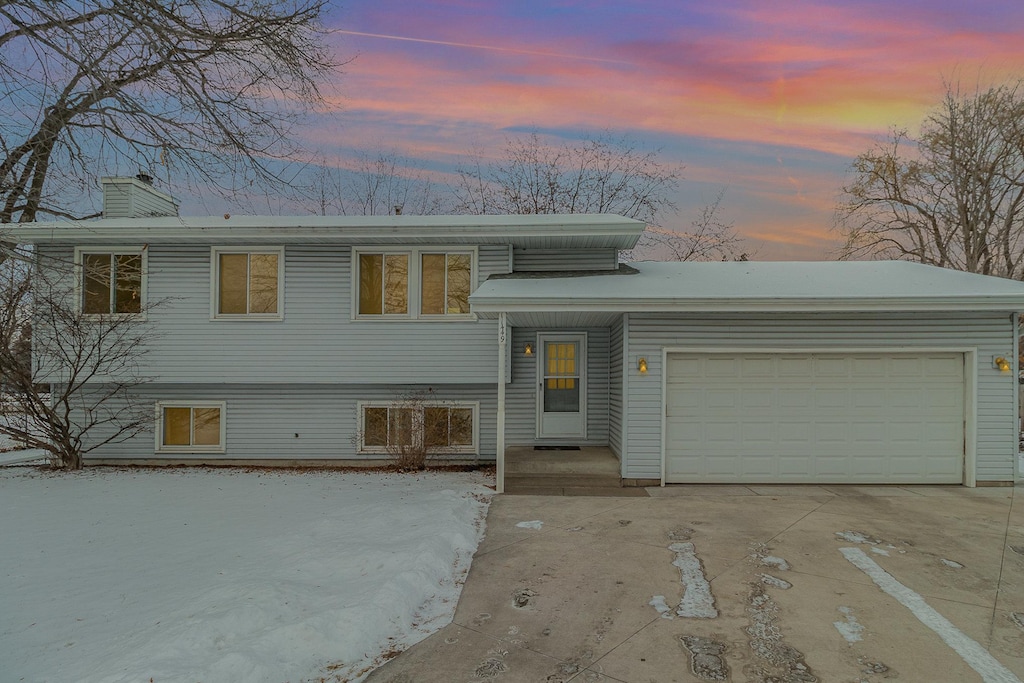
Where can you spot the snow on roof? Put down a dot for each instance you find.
(539, 231)
(756, 286)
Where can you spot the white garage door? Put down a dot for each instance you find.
(815, 418)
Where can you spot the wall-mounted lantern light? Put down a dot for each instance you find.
(528, 350)
(1000, 363)
(641, 365)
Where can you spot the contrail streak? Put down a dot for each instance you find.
(474, 46)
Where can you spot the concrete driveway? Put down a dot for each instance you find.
(756, 584)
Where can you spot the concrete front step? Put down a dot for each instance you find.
(535, 479)
(606, 491)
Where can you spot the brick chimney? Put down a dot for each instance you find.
(135, 198)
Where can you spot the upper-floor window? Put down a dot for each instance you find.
(112, 280)
(412, 283)
(445, 283)
(248, 283)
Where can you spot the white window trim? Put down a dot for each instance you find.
(219, 448)
(414, 292)
(80, 252)
(471, 449)
(215, 253)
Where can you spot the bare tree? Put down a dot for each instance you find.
(208, 88)
(598, 175)
(384, 184)
(709, 238)
(951, 197)
(91, 361)
(415, 429)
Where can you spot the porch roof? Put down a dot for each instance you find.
(750, 287)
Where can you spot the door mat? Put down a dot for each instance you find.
(556, 448)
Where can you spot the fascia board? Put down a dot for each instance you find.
(624, 232)
(753, 305)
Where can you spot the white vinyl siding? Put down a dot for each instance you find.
(550, 260)
(616, 387)
(313, 422)
(318, 342)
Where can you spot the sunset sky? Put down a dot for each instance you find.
(769, 99)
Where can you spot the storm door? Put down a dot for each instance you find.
(562, 386)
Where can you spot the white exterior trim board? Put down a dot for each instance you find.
(646, 305)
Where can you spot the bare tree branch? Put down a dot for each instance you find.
(208, 88)
(953, 197)
(598, 175)
(93, 363)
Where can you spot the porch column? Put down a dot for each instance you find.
(502, 343)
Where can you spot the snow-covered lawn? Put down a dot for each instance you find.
(217, 576)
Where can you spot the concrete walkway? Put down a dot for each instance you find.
(757, 584)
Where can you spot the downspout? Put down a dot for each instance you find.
(500, 454)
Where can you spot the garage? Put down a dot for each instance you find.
(802, 417)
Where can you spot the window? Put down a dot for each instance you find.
(413, 283)
(190, 427)
(111, 281)
(383, 284)
(445, 284)
(442, 427)
(248, 283)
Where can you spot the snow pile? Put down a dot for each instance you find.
(697, 602)
(223, 576)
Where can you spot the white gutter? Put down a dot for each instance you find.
(985, 302)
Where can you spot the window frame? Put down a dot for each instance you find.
(119, 250)
(468, 449)
(215, 254)
(414, 290)
(161, 447)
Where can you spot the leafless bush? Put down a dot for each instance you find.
(91, 363)
(415, 429)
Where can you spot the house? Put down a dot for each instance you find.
(290, 339)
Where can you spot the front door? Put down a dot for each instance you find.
(562, 386)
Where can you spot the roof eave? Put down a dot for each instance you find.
(894, 305)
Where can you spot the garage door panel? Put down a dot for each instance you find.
(815, 417)
(874, 367)
(721, 367)
(683, 400)
(792, 465)
(829, 398)
(786, 367)
(909, 367)
(830, 367)
(722, 399)
(793, 398)
(754, 398)
(753, 368)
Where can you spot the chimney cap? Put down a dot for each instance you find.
(144, 177)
